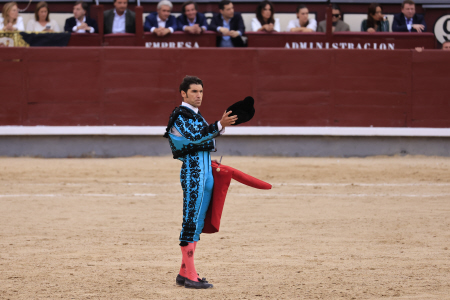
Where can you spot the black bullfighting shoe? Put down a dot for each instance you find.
(180, 280)
(189, 284)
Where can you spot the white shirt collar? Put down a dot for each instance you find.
(115, 13)
(79, 23)
(159, 19)
(190, 106)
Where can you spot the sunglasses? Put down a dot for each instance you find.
(336, 16)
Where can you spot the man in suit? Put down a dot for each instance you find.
(190, 19)
(119, 19)
(79, 22)
(407, 20)
(161, 22)
(229, 24)
(338, 24)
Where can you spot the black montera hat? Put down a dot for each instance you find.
(243, 109)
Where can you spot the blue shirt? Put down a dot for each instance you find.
(119, 23)
(409, 23)
(226, 40)
(192, 23)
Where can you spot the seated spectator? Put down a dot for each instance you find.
(190, 19)
(10, 19)
(408, 20)
(446, 46)
(119, 19)
(80, 23)
(161, 22)
(338, 24)
(302, 23)
(264, 20)
(230, 24)
(375, 22)
(41, 20)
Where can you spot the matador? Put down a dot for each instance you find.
(191, 140)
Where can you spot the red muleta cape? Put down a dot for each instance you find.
(222, 180)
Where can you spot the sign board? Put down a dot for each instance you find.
(442, 29)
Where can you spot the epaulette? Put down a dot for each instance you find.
(179, 110)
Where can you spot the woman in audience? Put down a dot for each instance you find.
(302, 23)
(10, 19)
(41, 20)
(375, 21)
(264, 20)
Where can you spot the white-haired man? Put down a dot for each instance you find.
(161, 22)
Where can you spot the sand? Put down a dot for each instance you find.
(331, 228)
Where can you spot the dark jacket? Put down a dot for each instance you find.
(152, 21)
(382, 26)
(130, 21)
(71, 22)
(399, 24)
(200, 19)
(236, 23)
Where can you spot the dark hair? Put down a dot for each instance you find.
(83, 5)
(371, 12)
(187, 81)
(262, 5)
(38, 8)
(407, 2)
(183, 7)
(223, 3)
(301, 6)
(116, 0)
(336, 7)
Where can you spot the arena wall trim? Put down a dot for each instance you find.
(230, 131)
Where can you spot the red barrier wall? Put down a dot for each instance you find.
(138, 86)
(342, 40)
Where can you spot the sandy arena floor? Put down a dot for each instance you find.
(373, 228)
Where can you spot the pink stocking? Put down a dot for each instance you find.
(188, 260)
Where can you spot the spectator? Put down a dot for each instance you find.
(161, 22)
(41, 20)
(375, 22)
(230, 24)
(79, 22)
(119, 19)
(338, 24)
(302, 23)
(264, 20)
(10, 20)
(190, 19)
(407, 20)
(446, 46)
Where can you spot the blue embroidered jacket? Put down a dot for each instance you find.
(196, 133)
